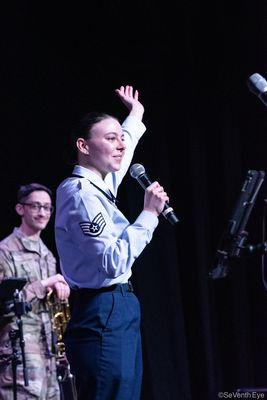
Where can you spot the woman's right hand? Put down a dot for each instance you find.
(130, 99)
(155, 198)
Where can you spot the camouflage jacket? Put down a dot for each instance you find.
(22, 257)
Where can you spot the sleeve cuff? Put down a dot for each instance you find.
(148, 220)
(134, 125)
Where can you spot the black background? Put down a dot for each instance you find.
(205, 130)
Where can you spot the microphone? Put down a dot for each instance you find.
(258, 86)
(138, 172)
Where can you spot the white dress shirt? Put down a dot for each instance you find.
(97, 245)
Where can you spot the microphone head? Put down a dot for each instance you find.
(136, 170)
(257, 84)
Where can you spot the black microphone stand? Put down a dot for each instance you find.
(233, 242)
(14, 357)
(19, 307)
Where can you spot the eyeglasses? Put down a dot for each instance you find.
(36, 207)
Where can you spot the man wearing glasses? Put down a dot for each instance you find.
(24, 255)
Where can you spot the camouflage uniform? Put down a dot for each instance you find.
(22, 257)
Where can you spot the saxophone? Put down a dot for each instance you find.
(59, 311)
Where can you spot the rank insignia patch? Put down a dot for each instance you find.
(95, 227)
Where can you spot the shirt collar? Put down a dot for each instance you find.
(36, 246)
(92, 177)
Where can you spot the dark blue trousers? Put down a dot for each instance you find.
(103, 344)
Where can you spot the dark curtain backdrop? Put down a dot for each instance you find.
(205, 130)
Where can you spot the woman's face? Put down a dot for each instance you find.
(106, 147)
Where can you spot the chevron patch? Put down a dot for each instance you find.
(95, 227)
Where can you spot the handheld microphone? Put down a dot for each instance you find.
(258, 86)
(138, 172)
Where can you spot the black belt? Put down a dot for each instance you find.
(119, 287)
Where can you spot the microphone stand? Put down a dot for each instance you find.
(233, 240)
(19, 307)
(14, 334)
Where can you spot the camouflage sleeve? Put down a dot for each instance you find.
(51, 264)
(36, 289)
(6, 270)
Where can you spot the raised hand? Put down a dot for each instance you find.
(130, 98)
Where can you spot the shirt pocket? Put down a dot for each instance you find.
(26, 266)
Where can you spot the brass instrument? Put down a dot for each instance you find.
(59, 311)
(60, 315)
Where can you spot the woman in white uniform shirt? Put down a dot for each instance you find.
(97, 247)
